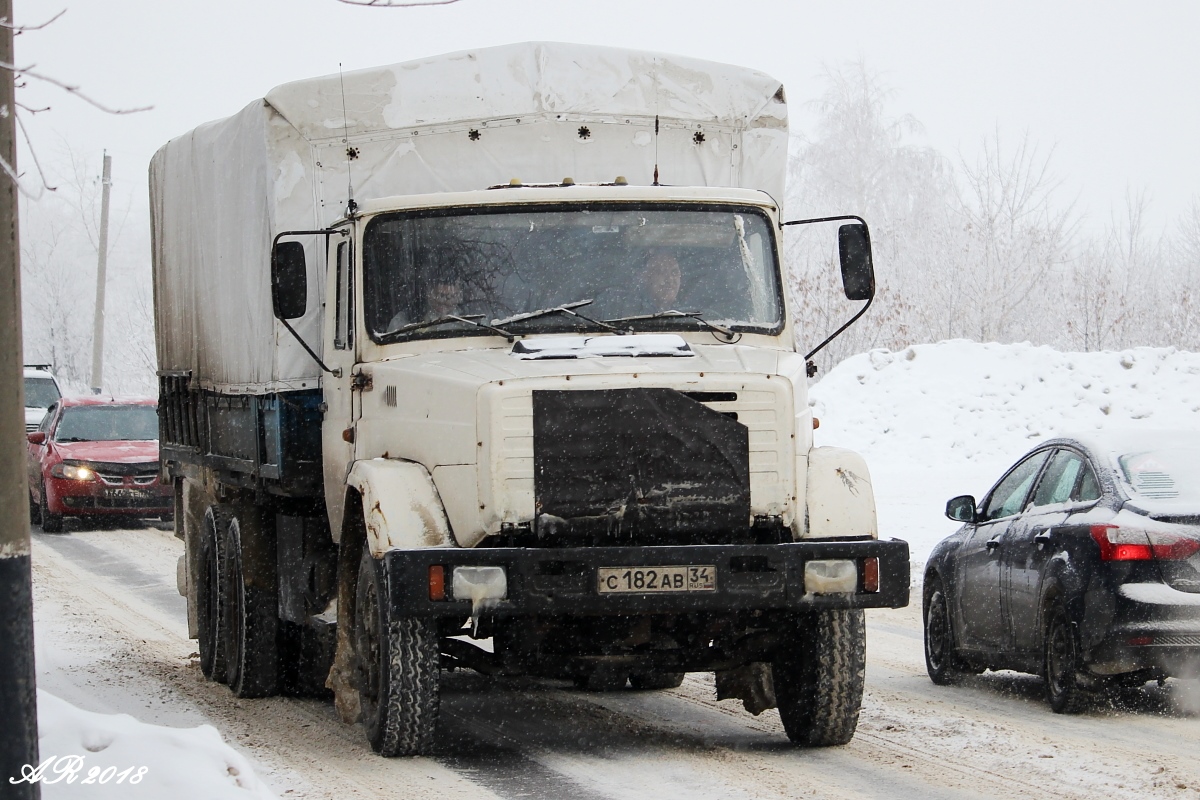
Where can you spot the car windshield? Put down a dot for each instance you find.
(109, 423)
(40, 393)
(630, 261)
(1163, 474)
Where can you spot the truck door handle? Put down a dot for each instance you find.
(992, 544)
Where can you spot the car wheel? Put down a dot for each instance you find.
(819, 676)
(941, 661)
(35, 510)
(648, 681)
(51, 523)
(251, 646)
(398, 670)
(210, 602)
(1063, 689)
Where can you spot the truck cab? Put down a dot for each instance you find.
(575, 416)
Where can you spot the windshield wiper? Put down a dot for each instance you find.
(565, 308)
(470, 319)
(726, 332)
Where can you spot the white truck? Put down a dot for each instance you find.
(497, 346)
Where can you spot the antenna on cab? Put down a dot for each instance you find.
(351, 152)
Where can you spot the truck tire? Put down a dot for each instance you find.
(251, 650)
(210, 601)
(51, 523)
(819, 677)
(1063, 690)
(649, 681)
(35, 510)
(398, 666)
(941, 660)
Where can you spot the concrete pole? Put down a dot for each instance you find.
(101, 279)
(18, 698)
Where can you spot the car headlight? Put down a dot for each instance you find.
(72, 472)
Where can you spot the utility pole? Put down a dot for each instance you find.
(101, 269)
(18, 698)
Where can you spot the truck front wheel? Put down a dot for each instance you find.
(819, 677)
(398, 663)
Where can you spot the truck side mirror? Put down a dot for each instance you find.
(37, 437)
(858, 274)
(961, 508)
(289, 280)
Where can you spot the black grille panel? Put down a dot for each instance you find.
(637, 465)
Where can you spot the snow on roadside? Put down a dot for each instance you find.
(939, 420)
(180, 763)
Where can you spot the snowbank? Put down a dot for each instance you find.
(181, 763)
(944, 419)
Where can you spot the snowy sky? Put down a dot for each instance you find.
(1110, 85)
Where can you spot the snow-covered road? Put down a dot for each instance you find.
(111, 636)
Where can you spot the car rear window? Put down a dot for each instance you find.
(108, 423)
(40, 393)
(1163, 474)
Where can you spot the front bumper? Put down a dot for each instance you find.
(95, 497)
(558, 581)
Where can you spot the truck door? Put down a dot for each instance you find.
(337, 428)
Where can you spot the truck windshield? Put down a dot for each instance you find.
(630, 261)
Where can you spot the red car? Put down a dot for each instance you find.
(95, 456)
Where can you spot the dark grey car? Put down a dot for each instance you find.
(1082, 564)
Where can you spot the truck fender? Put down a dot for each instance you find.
(841, 499)
(401, 506)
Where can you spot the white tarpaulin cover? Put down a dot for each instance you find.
(537, 112)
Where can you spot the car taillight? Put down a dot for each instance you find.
(1123, 544)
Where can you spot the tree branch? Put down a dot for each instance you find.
(75, 90)
(4, 23)
(33, 154)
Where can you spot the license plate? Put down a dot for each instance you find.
(616, 580)
(130, 494)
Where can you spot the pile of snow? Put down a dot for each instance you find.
(939, 420)
(180, 763)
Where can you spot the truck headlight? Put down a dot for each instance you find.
(481, 585)
(831, 576)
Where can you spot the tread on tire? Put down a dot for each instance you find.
(1061, 668)
(251, 646)
(819, 677)
(941, 661)
(51, 523)
(399, 665)
(210, 601)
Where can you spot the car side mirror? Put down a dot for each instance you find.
(289, 280)
(858, 272)
(37, 437)
(962, 508)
